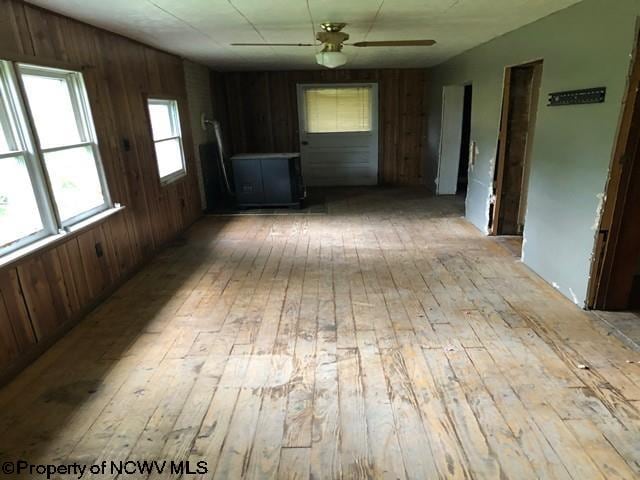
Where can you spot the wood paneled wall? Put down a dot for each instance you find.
(43, 295)
(262, 114)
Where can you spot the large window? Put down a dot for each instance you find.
(167, 139)
(50, 171)
(342, 109)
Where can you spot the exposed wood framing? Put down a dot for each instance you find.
(624, 156)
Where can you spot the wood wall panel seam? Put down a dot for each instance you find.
(20, 305)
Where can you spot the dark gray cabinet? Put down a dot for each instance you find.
(273, 179)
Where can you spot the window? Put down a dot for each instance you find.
(22, 216)
(50, 171)
(167, 139)
(344, 109)
(60, 112)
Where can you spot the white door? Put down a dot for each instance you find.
(339, 133)
(450, 140)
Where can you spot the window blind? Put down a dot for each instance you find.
(344, 109)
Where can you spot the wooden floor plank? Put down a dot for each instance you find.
(354, 447)
(387, 461)
(294, 464)
(482, 459)
(415, 445)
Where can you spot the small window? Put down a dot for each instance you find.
(62, 120)
(167, 139)
(344, 109)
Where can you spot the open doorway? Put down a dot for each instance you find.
(511, 174)
(615, 272)
(465, 142)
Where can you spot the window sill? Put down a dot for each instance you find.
(37, 248)
(173, 178)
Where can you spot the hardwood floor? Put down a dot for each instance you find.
(387, 339)
(624, 325)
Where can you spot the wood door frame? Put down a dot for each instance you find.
(612, 213)
(498, 175)
(502, 139)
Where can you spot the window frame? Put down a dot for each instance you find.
(18, 124)
(174, 108)
(86, 129)
(21, 126)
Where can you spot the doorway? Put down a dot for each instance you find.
(339, 134)
(511, 174)
(615, 272)
(465, 142)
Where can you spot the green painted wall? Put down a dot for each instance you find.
(586, 45)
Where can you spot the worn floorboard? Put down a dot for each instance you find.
(387, 338)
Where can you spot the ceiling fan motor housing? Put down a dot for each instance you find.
(332, 37)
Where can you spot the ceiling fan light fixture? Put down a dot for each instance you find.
(332, 39)
(331, 59)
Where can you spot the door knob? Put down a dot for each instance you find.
(304, 142)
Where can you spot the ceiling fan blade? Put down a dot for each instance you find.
(273, 45)
(395, 43)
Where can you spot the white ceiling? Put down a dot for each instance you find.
(201, 30)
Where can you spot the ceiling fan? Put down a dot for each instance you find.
(332, 38)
